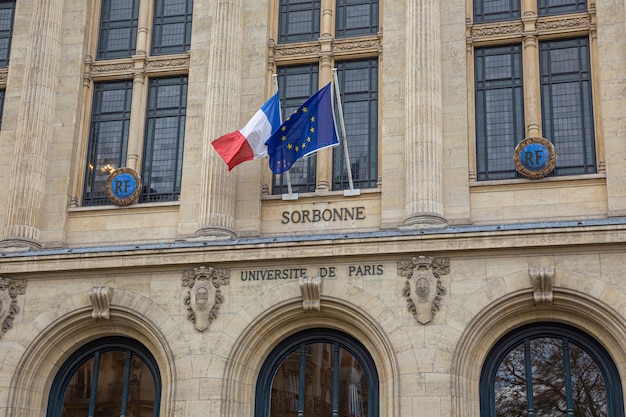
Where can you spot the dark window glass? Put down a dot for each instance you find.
(318, 373)
(499, 110)
(550, 370)
(112, 376)
(7, 14)
(165, 132)
(493, 10)
(118, 28)
(108, 137)
(566, 103)
(296, 84)
(548, 7)
(358, 83)
(171, 32)
(299, 20)
(2, 93)
(356, 17)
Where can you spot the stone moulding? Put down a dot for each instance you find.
(423, 289)
(543, 281)
(311, 289)
(100, 298)
(204, 296)
(9, 290)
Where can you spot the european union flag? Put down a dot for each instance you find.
(308, 129)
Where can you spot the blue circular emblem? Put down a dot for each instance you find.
(123, 186)
(534, 157)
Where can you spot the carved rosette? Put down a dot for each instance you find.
(423, 289)
(9, 290)
(205, 296)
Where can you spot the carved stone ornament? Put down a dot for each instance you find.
(311, 289)
(543, 281)
(205, 296)
(100, 298)
(423, 289)
(9, 290)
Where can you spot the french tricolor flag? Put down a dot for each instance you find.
(248, 143)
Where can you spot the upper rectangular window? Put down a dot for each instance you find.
(299, 20)
(549, 7)
(171, 30)
(7, 16)
(356, 17)
(118, 28)
(495, 10)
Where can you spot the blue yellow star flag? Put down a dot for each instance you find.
(308, 129)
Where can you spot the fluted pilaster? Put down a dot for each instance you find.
(33, 134)
(218, 186)
(424, 129)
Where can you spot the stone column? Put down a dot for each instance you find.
(33, 134)
(423, 116)
(530, 58)
(218, 186)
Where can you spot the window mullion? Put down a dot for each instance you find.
(302, 380)
(532, 90)
(529, 378)
(143, 26)
(126, 384)
(335, 380)
(94, 385)
(568, 378)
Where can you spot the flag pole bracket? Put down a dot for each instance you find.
(352, 192)
(292, 196)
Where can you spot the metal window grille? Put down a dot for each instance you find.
(356, 17)
(358, 84)
(108, 137)
(494, 10)
(499, 110)
(164, 137)
(566, 104)
(296, 84)
(7, 14)
(299, 20)
(171, 31)
(118, 28)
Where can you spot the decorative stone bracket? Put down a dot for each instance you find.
(100, 298)
(204, 296)
(9, 290)
(423, 289)
(543, 281)
(311, 289)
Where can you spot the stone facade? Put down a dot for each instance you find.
(212, 282)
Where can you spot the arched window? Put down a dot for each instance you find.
(318, 372)
(113, 376)
(546, 369)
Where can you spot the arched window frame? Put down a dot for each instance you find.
(598, 353)
(86, 352)
(280, 353)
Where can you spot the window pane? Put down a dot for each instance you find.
(352, 386)
(549, 7)
(165, 130)
(318, 393)
(2, 93)
(299, 20)
(493, 10)
(548, 377)
(296, 84)
(7, 12)
(78, 391)
(171, 32)
(499, 110)
(588, 385)
(286, 386)
(118, 28)
(141, 390)
(110, 383)
(567, 110)
(110, 119)
(510, 385)
(358, 83)
(356, 17)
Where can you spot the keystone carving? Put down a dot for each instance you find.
(100, 298)
(311, 289)
(9, 290)
(542, 280)
(423, 289)
(205, 296)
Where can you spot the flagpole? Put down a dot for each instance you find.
(351, 191)
(290, 196)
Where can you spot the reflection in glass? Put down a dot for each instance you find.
(317, 379)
